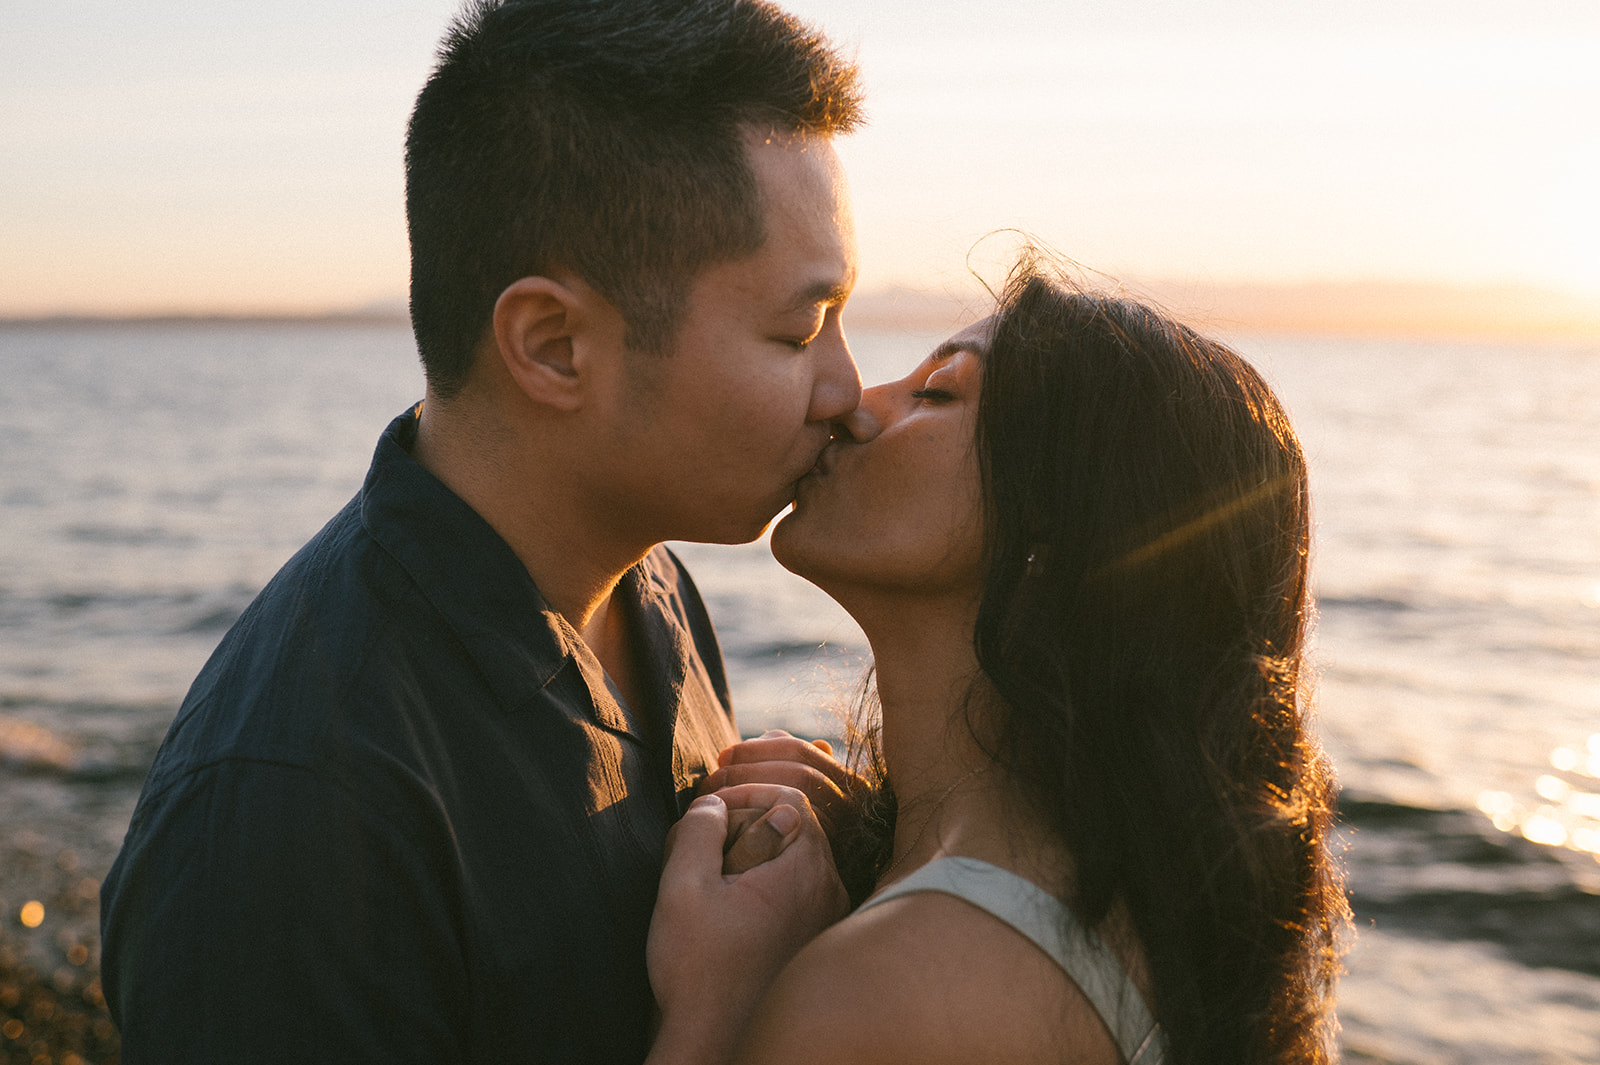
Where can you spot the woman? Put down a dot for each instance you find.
(1076, 536)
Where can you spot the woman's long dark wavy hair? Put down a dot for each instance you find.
(1154, 701)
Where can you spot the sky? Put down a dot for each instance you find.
(232, 157)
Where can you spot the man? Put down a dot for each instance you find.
(413, 809)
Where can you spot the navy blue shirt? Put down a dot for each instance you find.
(400, 817)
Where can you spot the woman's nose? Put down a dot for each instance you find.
(866, 421)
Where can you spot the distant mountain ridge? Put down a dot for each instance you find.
(1338, 307)
(1348, 308)
(1386, 308)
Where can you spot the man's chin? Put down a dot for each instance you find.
(744, 526)
(735, 531)
(736, 538)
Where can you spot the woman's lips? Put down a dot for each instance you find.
(824, 462)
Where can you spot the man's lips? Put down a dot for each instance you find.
(825, 459)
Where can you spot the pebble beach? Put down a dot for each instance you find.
(52, 1011)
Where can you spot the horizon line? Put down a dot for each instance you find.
(1327, 307)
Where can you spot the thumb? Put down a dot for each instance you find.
(694, 846)
(764, 840)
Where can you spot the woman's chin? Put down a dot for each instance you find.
(788, 543)
(799, 550)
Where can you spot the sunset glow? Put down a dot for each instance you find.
(179, 160)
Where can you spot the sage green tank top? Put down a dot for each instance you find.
(1055, 930)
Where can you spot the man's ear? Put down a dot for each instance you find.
(535, 322)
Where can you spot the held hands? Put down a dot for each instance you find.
(756, 836)
(719, 939)
(776, 757)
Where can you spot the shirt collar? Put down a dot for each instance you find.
(480, 587)
(465, 570)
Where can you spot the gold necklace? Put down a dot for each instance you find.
(923, 831)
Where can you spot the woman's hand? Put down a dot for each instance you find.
(718, 940)
(776, 757)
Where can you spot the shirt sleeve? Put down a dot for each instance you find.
(262, 913)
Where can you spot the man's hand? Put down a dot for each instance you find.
(717, 941)
(756, 835)
(777, 757)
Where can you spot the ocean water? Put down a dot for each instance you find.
(154, 476)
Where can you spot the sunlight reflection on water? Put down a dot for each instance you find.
(1569, 816)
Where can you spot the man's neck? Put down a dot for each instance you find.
(613, 637)
(574, 558)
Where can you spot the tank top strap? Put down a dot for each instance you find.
(1054, 929)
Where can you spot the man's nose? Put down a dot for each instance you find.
(838, 387)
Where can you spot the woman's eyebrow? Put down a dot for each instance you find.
(951, 347)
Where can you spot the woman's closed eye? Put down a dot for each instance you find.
(937, 395)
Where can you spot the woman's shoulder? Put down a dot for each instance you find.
(925, 977)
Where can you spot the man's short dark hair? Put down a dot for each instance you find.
(604, 138)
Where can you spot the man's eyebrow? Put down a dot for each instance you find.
(827, 293)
